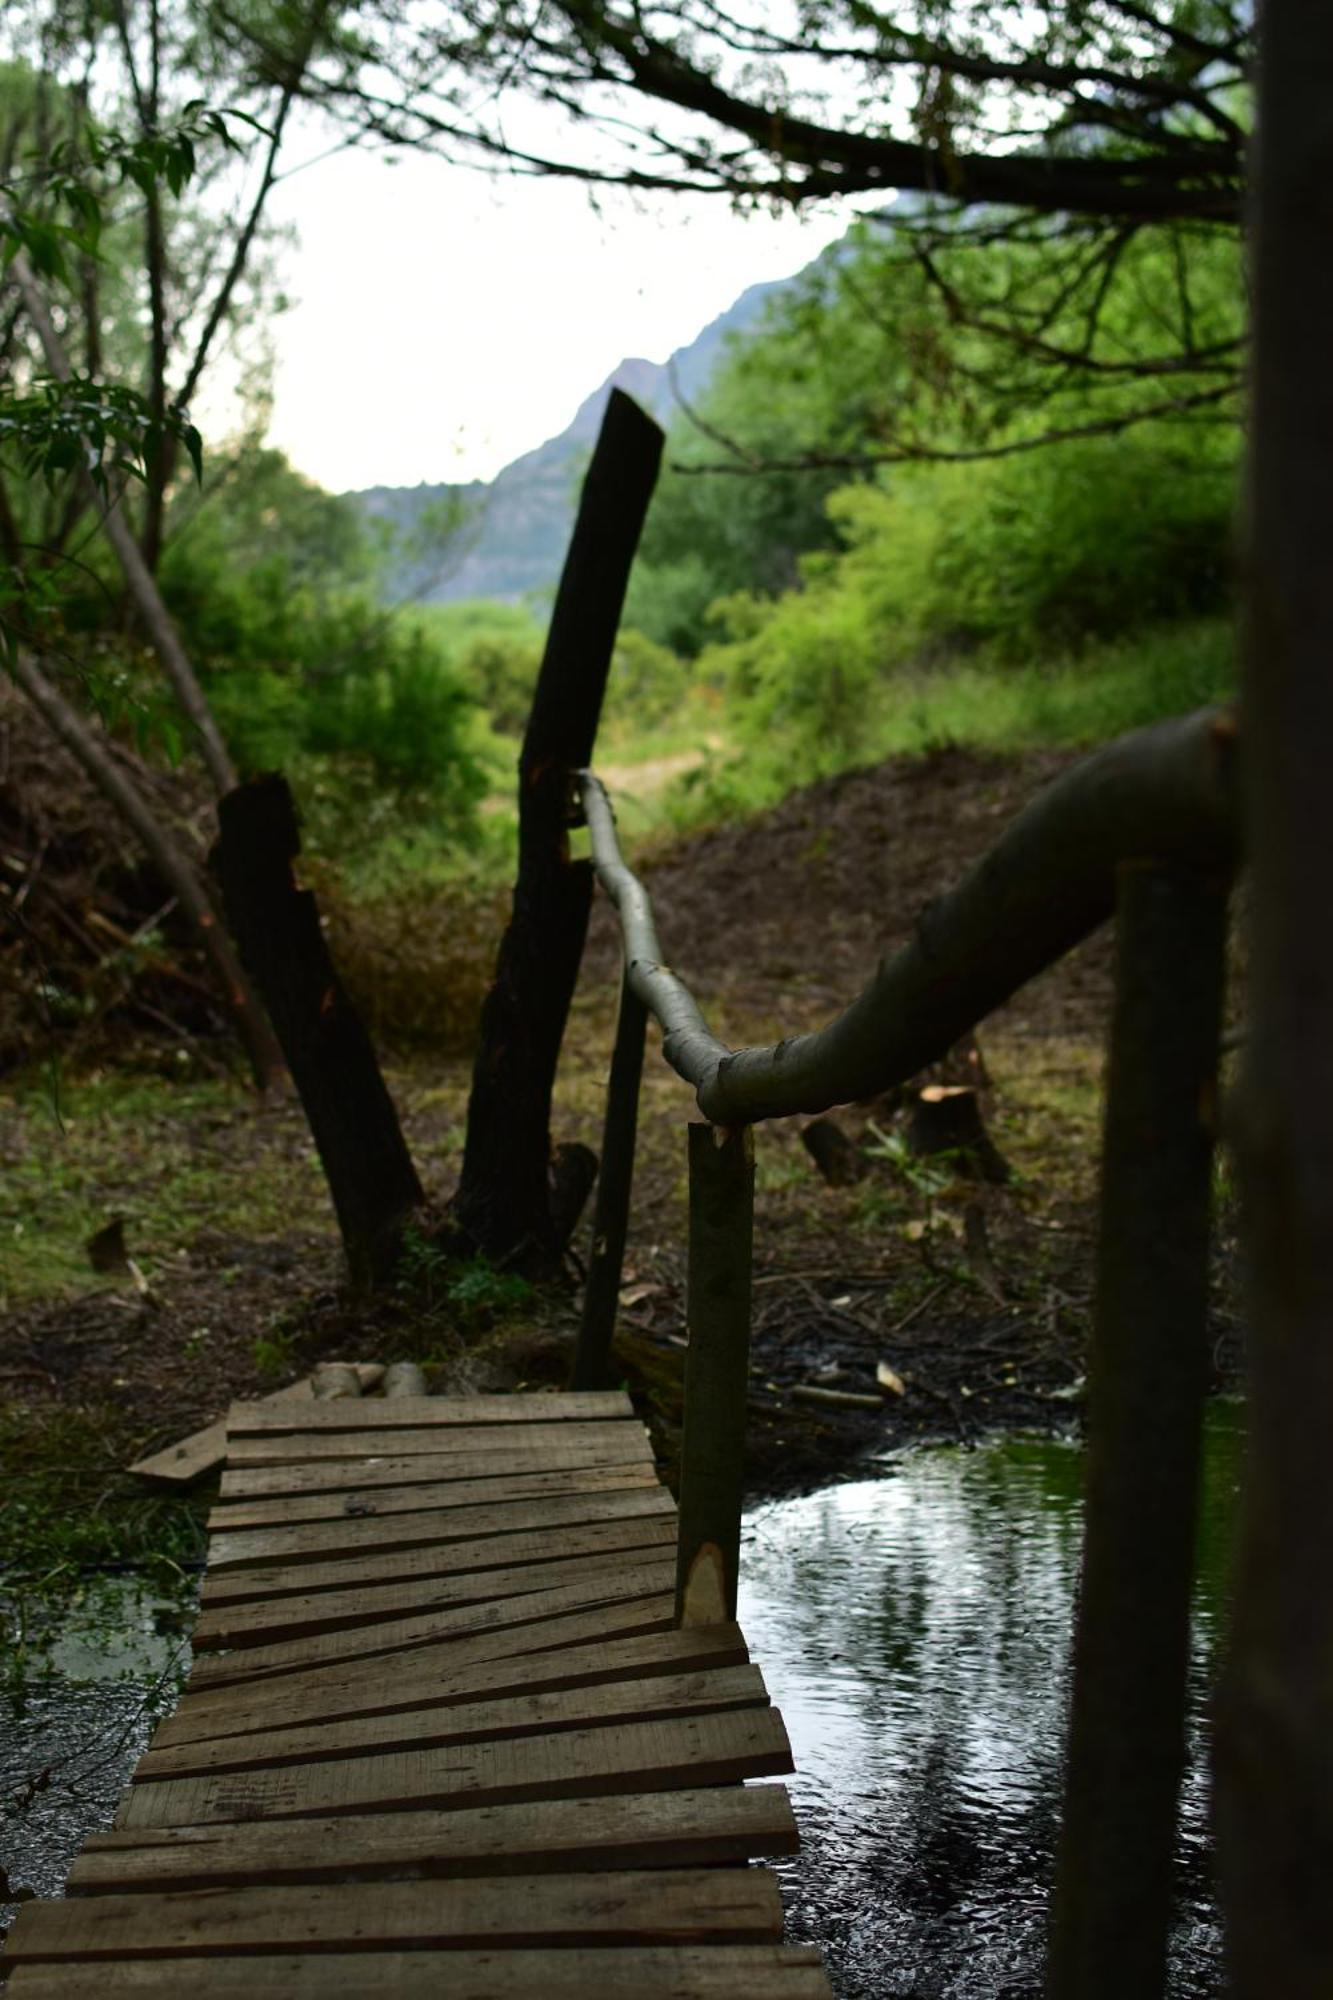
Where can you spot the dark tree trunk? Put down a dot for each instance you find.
(1274, 1774)
(351, 1115)
(503, 1202)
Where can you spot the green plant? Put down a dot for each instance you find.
(274, 1353)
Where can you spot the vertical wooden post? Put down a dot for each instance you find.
(717, 1368)
(610, 1223)
(1148, 1378)
(1274, 1763)
(502, 1201)
(351, 1115)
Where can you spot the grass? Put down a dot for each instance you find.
(1074, 699)
(170, 1158)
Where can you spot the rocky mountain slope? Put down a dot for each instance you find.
(507, 539)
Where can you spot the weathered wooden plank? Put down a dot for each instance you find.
(294, 1615)
(599, 1538)
(314, 1447)
(626, 1757)
(659, 1698)
(322, 1540)
(375, 1484)
(401, 1635)
(180, 1464)
(723, 1972)
(578, 1650)
(542, 1407)
(688, 1905)
(649, 1830)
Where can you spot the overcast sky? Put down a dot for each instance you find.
(445, 322)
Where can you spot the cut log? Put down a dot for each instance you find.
(404, 1378)
(335, 1379)
(945, 1120)
(838, 1158)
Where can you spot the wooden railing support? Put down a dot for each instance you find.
(1148, 1379)
(717, 1367)
(610, 1223)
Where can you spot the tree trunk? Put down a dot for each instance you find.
(503, 1204)
(1274, 1768)
(366, 1162)
(174, 866)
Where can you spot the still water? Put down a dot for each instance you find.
(914, 1630)
(78, 1705)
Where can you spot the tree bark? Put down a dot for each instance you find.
(503, 1204)
(355, 1127)
(1274, 1758)
(172, 864)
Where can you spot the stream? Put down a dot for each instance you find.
(913, 1627)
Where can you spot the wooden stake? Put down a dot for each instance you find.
(502, 1202)
(1148, 1377)
(610, 1225)
(717, 1370)
(351, 1115)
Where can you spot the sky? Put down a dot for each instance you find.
(444, 322)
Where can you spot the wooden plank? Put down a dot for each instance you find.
(260, 1419)
(245, 1586)
(454, 1454)
(722, 1972)
(322, 1540)
(681, 1753)
(379, 1481)
(180, 1464)
(729, 1905)
(647, 1830)
(651, 1700)
(293, 1615)
(300, 1447)
(633, 1638)
(401, 1635)
(369, 1497)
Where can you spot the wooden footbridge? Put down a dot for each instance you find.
(444, 1735)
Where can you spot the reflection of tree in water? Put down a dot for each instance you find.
(915, 1633)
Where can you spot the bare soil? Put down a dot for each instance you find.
(975, 1296)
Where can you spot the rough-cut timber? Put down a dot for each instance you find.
(482, 1763)
(1148, 1378)
(503, 1202)
(351, 1115)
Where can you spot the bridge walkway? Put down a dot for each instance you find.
(442, 1735)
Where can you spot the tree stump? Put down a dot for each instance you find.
(945, 1119)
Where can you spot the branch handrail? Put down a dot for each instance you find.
(1147, 829)
(1167, 793)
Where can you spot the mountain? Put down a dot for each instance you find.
(508, 538)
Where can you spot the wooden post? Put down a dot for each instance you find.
(610, 1222)
(1274, 1758)
(502, 1200)
(717, 1368)
(1148, 1378)
(276, 926)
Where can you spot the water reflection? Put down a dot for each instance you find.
(914, 1629)
(76, 1714)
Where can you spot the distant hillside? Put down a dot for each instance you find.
(515, 529)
